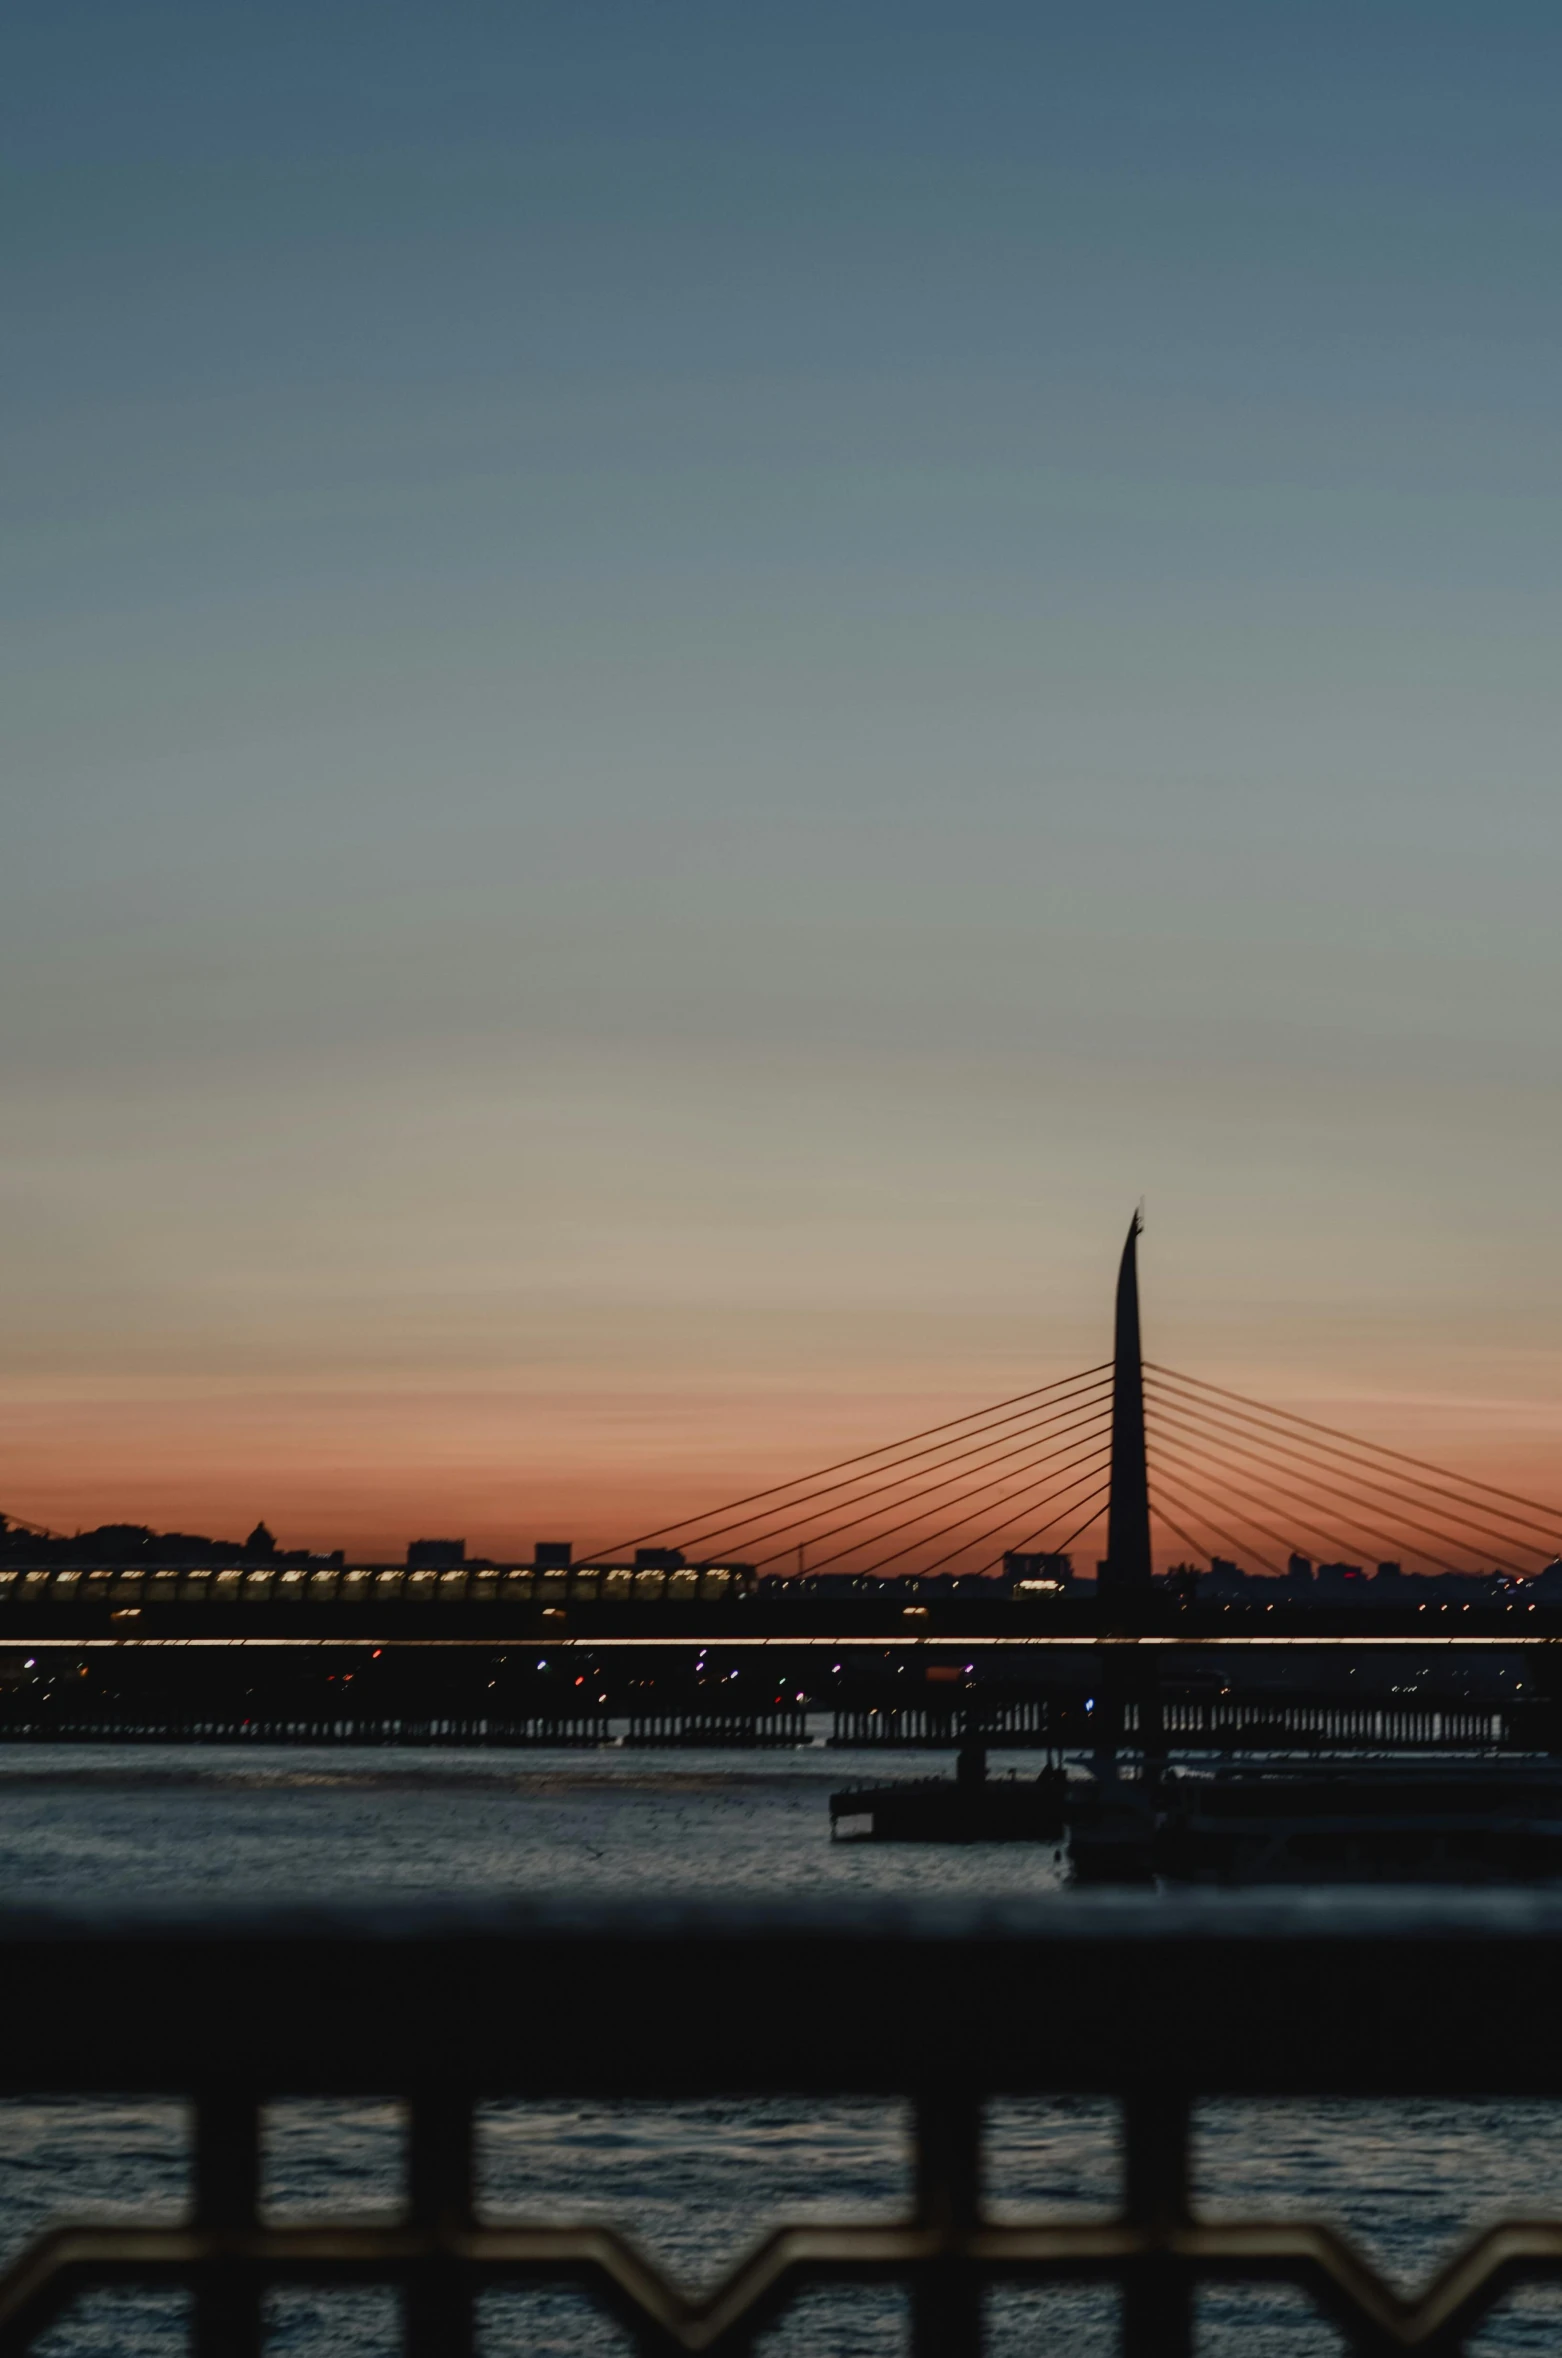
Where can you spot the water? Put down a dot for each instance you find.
(185, 1822)
(694, 2183)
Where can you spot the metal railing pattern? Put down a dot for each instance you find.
(1156, 2001)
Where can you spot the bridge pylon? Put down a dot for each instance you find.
(1126, 1571)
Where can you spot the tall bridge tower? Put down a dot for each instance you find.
(1126, 1571)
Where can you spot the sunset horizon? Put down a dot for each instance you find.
(368, 1470)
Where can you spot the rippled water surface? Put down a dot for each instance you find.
(695, 2183)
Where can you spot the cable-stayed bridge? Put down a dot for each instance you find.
(1265, 1525)
(1108, 1454)
(1229, 1481)
(1356, 1599)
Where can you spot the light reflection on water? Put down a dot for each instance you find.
(694, 2182)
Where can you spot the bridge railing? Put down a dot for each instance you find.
(1153, 2002)
(65, 1712)
(1203, 1723)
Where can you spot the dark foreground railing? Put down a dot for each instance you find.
(1155, 2001)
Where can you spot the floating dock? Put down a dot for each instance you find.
(969, 1807)
(1452, 1821)
(1435, 1822)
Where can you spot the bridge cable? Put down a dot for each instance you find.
(1380, 1448)
(1223, 1424)
(1221, 1446)
(993, 1530)
(1231, 1500)
(1064, 1416)
(1063, 1546)
(1201, 1515)
(930, 1538)
(884, 1449)
(1096, 1423)
(1005, 1524)
(1234, 1493)
(1329, 1475)
(1186, 1537)
(923, 1486)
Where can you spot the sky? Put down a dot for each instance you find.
(684, 689)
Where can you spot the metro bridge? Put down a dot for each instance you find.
(386, 1606)
(943, 1558)
(963, 1530)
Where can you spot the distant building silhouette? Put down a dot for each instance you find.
(1225, 1578)
(435, 1555)
(135, 1546)
(1182, 1582)
(112, 1543)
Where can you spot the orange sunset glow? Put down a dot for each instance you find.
(602, 1451)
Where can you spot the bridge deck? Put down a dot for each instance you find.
(387, 1605)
